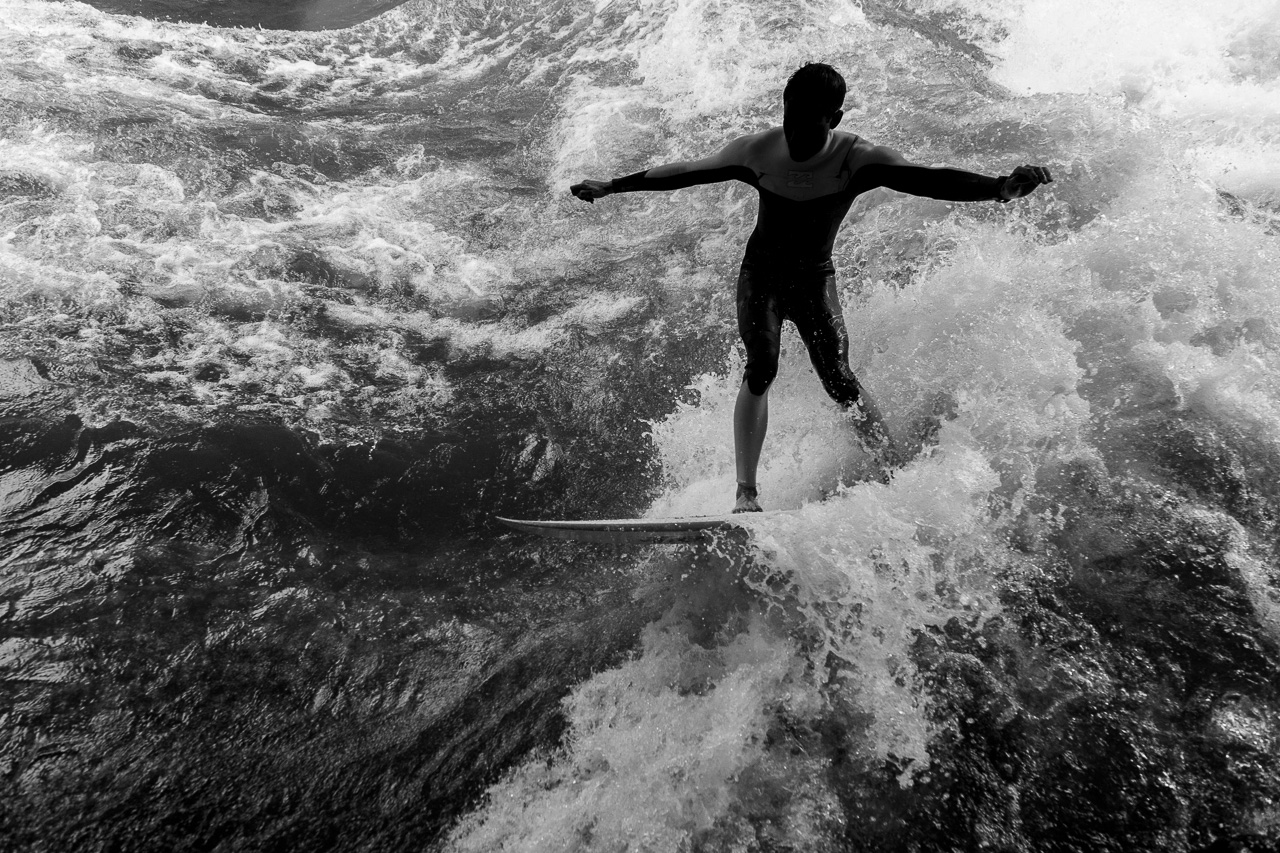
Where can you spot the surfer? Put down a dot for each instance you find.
(807, 174)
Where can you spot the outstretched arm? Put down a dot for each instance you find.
(724, 165)
(884, 167)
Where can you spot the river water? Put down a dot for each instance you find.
(286, 316)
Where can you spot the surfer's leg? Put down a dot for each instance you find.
(820, 322)
(760, 325)
(750, 423)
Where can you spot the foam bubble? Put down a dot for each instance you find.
(1198, 66)
(655, 752)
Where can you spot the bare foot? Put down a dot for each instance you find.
(745, 501)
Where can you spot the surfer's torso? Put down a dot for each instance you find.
(802, 203)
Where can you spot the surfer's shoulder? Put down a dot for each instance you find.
(860, 150)
(752, 150)
(864, 152)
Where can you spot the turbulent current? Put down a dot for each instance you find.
(288, 315)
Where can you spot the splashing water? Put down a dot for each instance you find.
(288, 316)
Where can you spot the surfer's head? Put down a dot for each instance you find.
(815, 90)
(811, 105)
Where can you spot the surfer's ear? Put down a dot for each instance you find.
(835, 118)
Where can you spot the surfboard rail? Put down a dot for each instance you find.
(627, 530)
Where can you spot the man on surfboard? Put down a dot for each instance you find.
(807, 174)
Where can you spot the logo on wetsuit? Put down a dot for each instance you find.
(799, 179)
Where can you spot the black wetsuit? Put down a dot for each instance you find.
(786, 271)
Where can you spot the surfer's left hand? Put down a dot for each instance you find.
(1023, 181)
(589, 191)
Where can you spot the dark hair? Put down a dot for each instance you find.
(815, 87)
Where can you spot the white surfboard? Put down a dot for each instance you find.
(624, 530)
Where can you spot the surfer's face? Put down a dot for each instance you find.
(806, 130)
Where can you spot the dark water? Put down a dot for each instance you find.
(286, 317)
(266, 14)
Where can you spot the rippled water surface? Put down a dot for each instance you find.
(287, 315)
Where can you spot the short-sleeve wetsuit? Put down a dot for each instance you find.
(786, 271)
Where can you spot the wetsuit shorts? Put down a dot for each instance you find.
(769, 293)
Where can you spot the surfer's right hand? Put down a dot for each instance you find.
(589, 191)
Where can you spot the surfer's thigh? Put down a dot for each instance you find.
(760, 325)
(820, 320)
